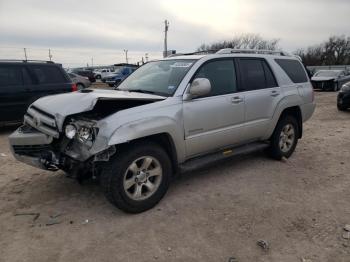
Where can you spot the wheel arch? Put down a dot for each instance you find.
(162, 139)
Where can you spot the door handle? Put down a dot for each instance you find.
(275, 93)
(236, 100)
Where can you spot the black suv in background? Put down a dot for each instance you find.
(86, 73)
(23, 82)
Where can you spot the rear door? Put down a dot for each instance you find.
(262, 95)
(215, 121)
(13, 92)
(50, 80)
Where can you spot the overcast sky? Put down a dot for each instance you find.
(76, 30)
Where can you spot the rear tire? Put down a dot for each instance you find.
(341, 107)
(137, 178)
(80, 86)
(284, 138)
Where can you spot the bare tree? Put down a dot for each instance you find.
(335, 51)
(244, 41)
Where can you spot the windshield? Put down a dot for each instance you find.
(158, 77)
(328, 73)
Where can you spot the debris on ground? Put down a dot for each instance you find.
(53, 221)
(263, 244)
(305, 260)
(232, 259)
(56, 215)
(347, 228)
(86, 221)
(346, 235)
(35, 215)
(169, 249)
(284, 160)
(3, 155)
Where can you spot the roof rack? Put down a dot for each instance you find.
(206, 52)
(25, 61)
(251, 51)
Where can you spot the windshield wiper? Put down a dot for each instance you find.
(141, 91)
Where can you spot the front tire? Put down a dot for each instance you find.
(284, 138)
(137, 178)
(341, 107)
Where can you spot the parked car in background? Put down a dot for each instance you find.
(23, 82)
(101, 73)
(121, 73)
(343, 100)
(169, 115)
(87, 73)
(81, 81)
(329, 79)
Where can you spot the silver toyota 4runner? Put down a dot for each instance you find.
(169, 115)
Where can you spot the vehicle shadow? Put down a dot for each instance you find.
(4, 130)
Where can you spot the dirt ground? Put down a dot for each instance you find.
(299, 206)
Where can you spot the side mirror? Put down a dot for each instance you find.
(199, 87)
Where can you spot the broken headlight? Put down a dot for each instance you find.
(85, 134)
(83, 131)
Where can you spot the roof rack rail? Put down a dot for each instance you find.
(251, 51)
(206, 52)
(25, 61)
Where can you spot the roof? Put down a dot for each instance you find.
(232, 52)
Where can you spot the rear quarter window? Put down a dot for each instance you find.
(293, 69)
(48, 74)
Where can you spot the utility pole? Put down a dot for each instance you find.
(92, 62)
(25, 53)
(146, 57)
(166, 28)
(50, 56)
(126, 55)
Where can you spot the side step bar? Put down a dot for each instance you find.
(202, 161)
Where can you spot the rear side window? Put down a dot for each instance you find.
(270, 79)
(10, 76)
(222, 77)
(48, 74)
(293, 69)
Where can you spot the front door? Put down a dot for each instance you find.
(216, 120)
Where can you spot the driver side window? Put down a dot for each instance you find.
(222, 76)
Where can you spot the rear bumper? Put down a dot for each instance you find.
(307, 110)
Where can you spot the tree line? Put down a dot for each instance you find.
(334, 51)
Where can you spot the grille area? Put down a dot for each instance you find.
(323, 84)
(41, 121)
(30, 150)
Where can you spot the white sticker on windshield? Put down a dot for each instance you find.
(181, 64)
(171, 87)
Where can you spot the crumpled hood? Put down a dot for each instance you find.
(66, 104)
(322, 78)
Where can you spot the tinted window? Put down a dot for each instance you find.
(270, 79)
(221, 75)
(48, 74)
(293, 69)
(253, 74)
(10, 76)
(27, 80)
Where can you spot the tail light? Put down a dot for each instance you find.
(74, 88)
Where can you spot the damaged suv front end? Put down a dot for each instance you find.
(69, 132)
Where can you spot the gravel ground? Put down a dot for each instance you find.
(299, 206)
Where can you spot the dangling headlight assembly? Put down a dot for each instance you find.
(85, 134)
